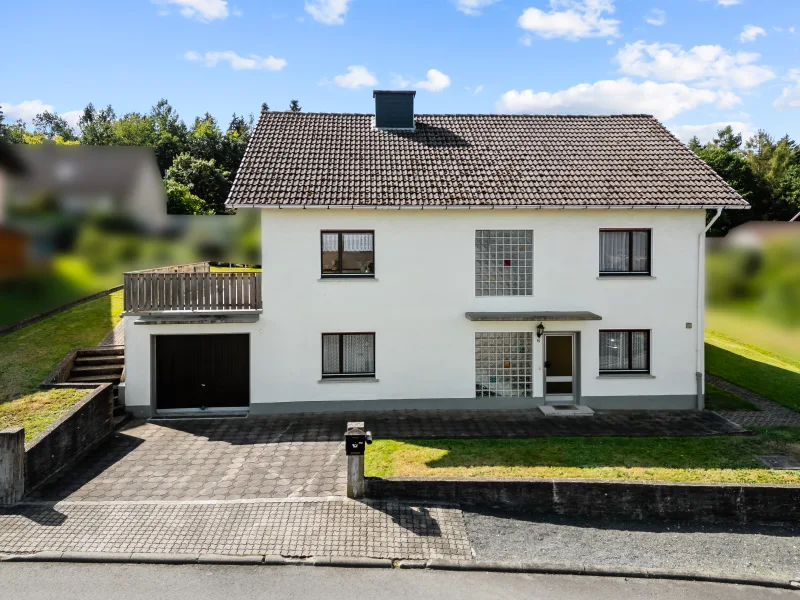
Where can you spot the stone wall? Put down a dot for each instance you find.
(603, 499)
(88, 422)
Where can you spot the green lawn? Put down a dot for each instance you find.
(712, 459)
(717, 399)
(28, 355)
(754, 368)
(751, 327)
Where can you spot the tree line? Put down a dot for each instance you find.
(198, 163)
(765, 171)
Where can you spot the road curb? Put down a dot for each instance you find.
(434, 564)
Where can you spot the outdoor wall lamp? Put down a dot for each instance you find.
(539, 331)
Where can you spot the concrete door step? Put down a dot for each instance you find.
(567, 410)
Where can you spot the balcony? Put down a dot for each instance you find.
(191, 293)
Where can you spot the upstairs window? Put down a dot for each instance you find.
(504, 262)
(348, 355)
(624, 351)
(348, 254)
(625, 252)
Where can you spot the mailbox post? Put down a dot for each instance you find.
(355, 441)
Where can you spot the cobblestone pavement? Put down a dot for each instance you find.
(771, 414)
(292, 528)
(116, 336)
(206, 459)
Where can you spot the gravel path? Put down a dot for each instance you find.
(734, 550)
(771, 414)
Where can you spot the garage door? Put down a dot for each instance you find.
(202, 371)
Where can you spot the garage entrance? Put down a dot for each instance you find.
(202, 372)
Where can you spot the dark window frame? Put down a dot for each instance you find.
(630, 272)
(630, 370)
(341, 375)
(341, 233)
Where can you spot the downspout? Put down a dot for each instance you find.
(700, 310)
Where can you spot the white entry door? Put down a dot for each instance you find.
(559, 368)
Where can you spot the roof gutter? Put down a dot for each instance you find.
(495, 207)
(701, 296)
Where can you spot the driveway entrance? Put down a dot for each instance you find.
(214, 459)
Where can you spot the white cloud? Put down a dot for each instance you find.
(357, 76)
(727, 3)
(750, 33)
(706, 133)
(790, 97)
(473, 7)
(238, 63)
(330, 12)
(25, 110)
(579, 19)
(399, 82)
(663, 100)
(656, 17)
(435, 82)
(201, 10)
(710, 66)
(474, 91)
(72, 117)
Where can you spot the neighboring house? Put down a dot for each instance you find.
(443, 261)
(83, 179)
(13, 245)
(755, 234)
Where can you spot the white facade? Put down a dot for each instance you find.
(425, 283)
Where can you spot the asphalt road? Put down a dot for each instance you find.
(64, 581)
(733, 550)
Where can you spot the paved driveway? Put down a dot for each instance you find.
(230, 459)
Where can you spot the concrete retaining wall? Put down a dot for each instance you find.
(88, 422)
(603, 499)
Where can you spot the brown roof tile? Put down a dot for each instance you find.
(473, 160)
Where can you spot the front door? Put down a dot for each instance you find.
(559, 368)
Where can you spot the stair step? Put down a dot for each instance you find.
(95, 379)
(102, 351)
(120, 420)
(119, 410)
(100, 360)
(96, 370)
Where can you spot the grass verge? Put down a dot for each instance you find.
(717, 399)
(766, 373)
(28, 355)
(710, 459)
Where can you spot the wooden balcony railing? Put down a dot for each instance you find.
(147, 292)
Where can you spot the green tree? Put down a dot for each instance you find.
(264, 107)
(203, 179)
(294, 106)
(52, 125)
(14, 133)
(134, 129)
(97, 126)
(234, 143)
(171, 134)
(181, 200)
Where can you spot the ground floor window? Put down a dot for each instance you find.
(624, 351)
(503, 364)
(348, 355)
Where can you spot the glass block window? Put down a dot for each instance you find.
(624, 252)
(348, 355)
(625, 351)
(504, 364)
(504, 262)
(348, 253)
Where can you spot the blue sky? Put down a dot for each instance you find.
(695, 64)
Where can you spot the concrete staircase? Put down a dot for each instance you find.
(102, 364)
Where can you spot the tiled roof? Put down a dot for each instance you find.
(473, 160)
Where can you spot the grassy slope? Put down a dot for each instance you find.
(751, 328)
(756, 369)
(28, 355)
(719, 459)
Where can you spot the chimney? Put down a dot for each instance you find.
(394, 109)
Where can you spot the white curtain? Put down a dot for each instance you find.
(357, 242)
(639, 343)
(614, 350)
(640, 251)
(330, 242)
(358, 353)
(613, 251)
(330, 354)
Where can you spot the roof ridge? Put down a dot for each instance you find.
(500, 115)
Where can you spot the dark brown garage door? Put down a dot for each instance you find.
(202, 371)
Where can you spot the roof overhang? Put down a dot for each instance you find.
(485, 207)
(552, 315)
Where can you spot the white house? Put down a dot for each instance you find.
(443, 261)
